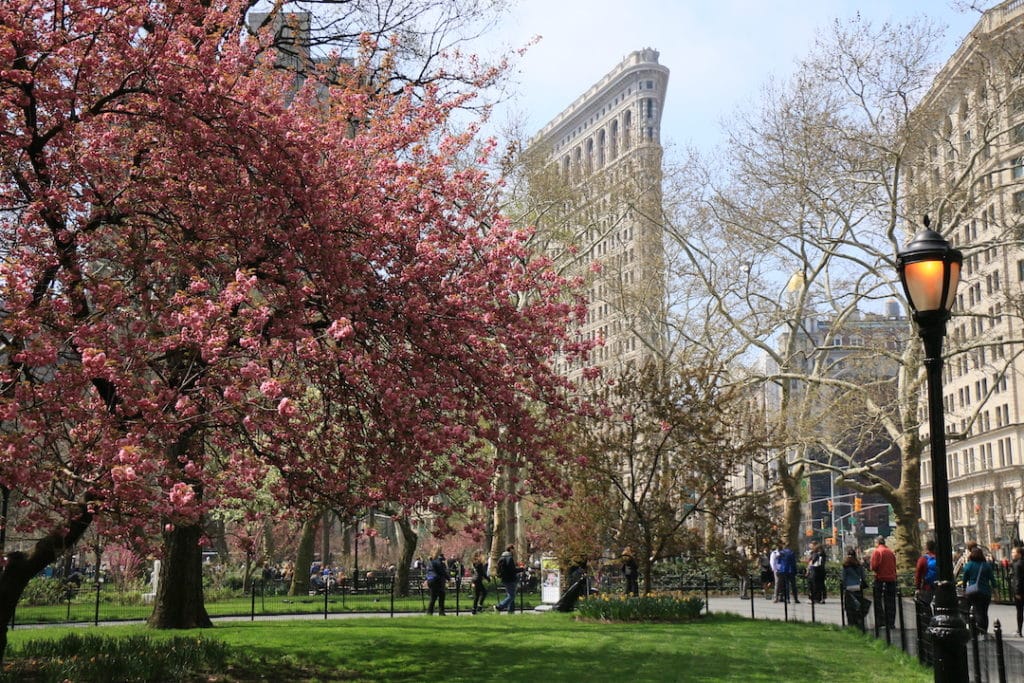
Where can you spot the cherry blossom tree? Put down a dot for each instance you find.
(203, 286)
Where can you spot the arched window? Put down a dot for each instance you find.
(589, 161)
(627, 129)
(614, 139)
(600, 148)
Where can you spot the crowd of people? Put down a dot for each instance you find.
(975, 577)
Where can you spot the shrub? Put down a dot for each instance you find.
(676, 607)
(97, 658)
(44, 591)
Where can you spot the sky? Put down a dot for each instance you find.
(720, 52)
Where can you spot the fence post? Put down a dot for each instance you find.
(707, 595)
(252, 609)
(997, 630)
(458, 592)
(751, 585)
(903, 622)
(327, 592)
(974, 646)
(96, 615)
(813, 619)
(393, 575)
(921, 624)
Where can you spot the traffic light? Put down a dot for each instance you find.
(830, 505)
(858, 502)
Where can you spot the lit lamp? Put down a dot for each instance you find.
(929, 269)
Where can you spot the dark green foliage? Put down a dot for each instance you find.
(96, 658)
(44, 591)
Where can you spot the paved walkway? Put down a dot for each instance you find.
(829, 613)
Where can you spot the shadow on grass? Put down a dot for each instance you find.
(555, 647)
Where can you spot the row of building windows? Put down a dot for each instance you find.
(621, 97)
(981, 459)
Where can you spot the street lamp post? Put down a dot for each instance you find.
(929, 268)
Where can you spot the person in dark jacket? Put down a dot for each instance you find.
(630, 572)
(816, 573)
(480, 577)
(437, 580)
(853, 585)
(1017, 585)
(508, 574)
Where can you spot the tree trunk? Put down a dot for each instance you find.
(304, 558)
(21, 567)
(791, 521)
(371, 538)
(407, 541)
(179, 595)
(325, 539)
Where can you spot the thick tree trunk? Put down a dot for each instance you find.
(304, 557)
(407, 542)
(793, 517)
(21, 567)
(179, 596)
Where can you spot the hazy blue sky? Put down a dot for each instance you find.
(720, 52)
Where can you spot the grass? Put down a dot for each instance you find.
(529, 647)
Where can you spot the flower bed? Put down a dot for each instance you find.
(675, 607)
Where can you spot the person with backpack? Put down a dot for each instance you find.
(508, 574)
(926, 573)
(480, 577)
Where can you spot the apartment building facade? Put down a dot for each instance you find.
(969, 173)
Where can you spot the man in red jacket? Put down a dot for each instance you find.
(883, 564)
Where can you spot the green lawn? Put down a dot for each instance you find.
(548, 647)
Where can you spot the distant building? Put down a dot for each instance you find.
(968, 173)
(849, 350)
(605, 149)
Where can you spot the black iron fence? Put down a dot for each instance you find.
(100, 601)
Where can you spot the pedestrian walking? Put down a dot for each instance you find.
(630, 571)
(1017, 585)
(926, 573)
(767, 575)
(508, 574)
(781, 586)
(883, 564)
(853, 584)
(816, 573)
(787, 564)
(978, 580)
(437, 580)
(480, 577)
